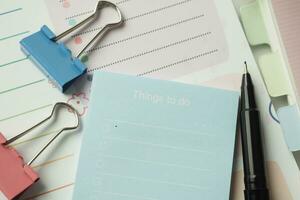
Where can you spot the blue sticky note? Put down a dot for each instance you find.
(148, 139)
(289, 118)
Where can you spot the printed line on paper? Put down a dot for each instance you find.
(11, 11)
(22, 86)
(14, 61)
(26, 112)
(14, 35)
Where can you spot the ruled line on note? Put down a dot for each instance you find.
(22, 86)
(153, 126)
(150, 51)
(158, 163)
(132, 197)
(13, 62)
(14, 35)
(26, 112)
(211, 153)
(11, 11)
(157, 181)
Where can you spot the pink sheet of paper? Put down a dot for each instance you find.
(288, 19)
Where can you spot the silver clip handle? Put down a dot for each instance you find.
(95, 15)
(43, 121)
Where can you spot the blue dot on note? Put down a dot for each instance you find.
(72, 22)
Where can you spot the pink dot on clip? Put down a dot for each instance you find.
(78, 40)
(66, 4)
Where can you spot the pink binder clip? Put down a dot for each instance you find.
(15, 175)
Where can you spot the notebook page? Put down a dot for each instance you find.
(288, 18)
(166, 39)
(27, 97)
(164, 28)
(151, 139)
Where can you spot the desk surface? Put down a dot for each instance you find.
(283, 171)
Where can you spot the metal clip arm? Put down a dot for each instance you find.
(46, 119)
(95, 15)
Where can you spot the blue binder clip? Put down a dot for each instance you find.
(55, 59)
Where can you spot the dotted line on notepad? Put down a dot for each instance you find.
(79, 14)
(179, 62)
(145, 33)
(136, 17)
(159, 9)
(121, 2)
(151, 51)
(91, 11)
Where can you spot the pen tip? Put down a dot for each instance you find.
(246, 68)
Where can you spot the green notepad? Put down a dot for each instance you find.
(150, 139)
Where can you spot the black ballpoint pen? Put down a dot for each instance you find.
(253, 158)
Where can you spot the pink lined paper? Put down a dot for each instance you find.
(288, 18)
